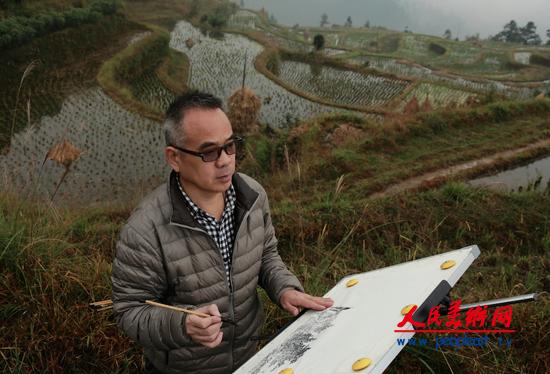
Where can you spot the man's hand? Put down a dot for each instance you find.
(205, 331)
(293, 301)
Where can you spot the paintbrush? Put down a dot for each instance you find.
(187, 311)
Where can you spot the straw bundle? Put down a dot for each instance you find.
(244, 107)
(64, 153)
(412, 106)
(426, 105)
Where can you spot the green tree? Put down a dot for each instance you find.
(367, 24)
(216, 21)
(348, 22)
(510, 34)
(318, 42)
(548, 36)
(447, 34)
(529, 34)
(324, 20)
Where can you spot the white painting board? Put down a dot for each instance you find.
(330, 341)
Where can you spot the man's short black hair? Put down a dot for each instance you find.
(176, 111)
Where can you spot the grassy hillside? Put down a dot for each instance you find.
(55, 261)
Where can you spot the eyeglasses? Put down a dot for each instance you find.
(230, 148)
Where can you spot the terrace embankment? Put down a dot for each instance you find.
(376, 156)
(471, 168)
(131, 64)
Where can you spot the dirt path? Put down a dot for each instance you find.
(435, 178)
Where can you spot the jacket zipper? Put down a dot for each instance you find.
(230, 279)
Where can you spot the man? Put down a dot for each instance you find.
(204, 240)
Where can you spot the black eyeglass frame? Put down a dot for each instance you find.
(235, 140)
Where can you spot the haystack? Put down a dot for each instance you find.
(471, 101)
(244, 107)
(412, 106)
(64, 153)
(426, 105)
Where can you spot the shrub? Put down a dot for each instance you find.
(540, 60)
(437, 49)
(273, 63)
(17, 30)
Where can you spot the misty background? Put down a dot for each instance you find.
(462, 17)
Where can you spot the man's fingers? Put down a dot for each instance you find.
(326, 302)
(214, 343)
(315, 303)
(292, 301)
(207, 338)
(204, 330)
(211, 309)
(203, 322)
(290, 308)
(211, 330)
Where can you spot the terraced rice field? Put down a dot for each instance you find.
(121, 151)
(416, 48)
(217, 65)
(439, 96)
(461, 54)
(341, 86)
(297, 46)
(58, 71)
(150, 90)
(244, 19)
(289, 44)
(44, 96)
(334, 51)
(393, 66)
(367, 40)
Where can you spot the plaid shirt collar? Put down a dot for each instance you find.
(199, 215)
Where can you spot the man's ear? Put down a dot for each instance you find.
(171, 155)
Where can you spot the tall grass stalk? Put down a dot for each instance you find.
(26, 73)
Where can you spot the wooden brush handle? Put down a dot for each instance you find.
(188, 311)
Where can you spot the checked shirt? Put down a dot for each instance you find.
(222, 232)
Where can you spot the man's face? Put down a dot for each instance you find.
(204, 130)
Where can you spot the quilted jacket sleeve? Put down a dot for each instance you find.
(274, 275)
(138, 275)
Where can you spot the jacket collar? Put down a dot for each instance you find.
(180, 213)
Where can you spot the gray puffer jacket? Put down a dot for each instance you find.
(164, 255)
